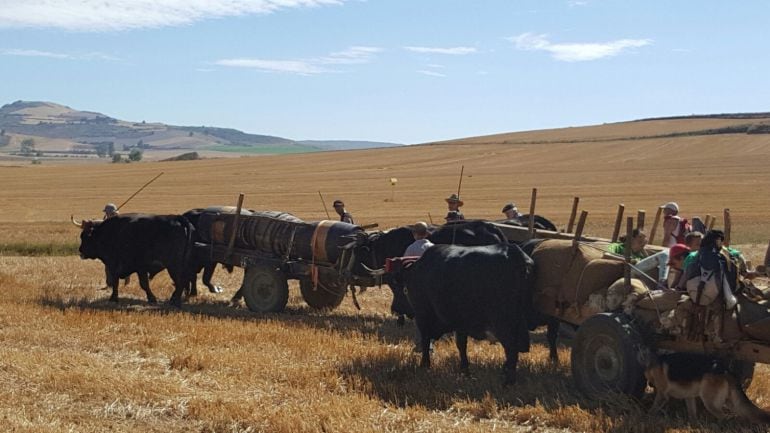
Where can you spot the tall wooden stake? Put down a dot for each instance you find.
(573, 214)
(640, 219)
(579, 231)
(323, 202)
(532, 213)
(728, 226)
(618, 221)
(658, 213)
(236, 220)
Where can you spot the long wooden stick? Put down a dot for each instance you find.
(460, 185)
(618, 221)
(728, 226)
(532, 213)
(140, 190)
(640, 219)
(573, 214)
(707, 222)
(712, 222)
(658, 213)
(324, 203)
(236, 220)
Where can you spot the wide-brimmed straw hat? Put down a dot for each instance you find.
(454, 199)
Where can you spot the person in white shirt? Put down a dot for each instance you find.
(421, 242)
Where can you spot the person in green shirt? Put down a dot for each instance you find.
(644, 262)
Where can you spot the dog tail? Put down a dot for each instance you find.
(746, 408)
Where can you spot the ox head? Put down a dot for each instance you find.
(88, 239)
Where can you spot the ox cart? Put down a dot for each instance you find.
(619, 322)
(274, 247)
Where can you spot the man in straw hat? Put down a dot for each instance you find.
(453, 205)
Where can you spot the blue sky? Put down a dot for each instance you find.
(406, 71)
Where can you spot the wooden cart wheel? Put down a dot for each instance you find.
(265, 289)
(327, 296)
(605, 356)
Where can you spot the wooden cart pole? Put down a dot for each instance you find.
(579, 231)
(658, 213)
(573, 214)
(618, 220)
(627, 252)
(767, 258)
(532, 213)
(707, 221)
(728, 227)
(640, 219)
(236, 220)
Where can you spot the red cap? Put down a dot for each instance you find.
(677, 250)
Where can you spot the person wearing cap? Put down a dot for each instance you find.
(110, 210)
(454, 203)
(671, 224)
(676, 257)
(421, 242)
(345, 216)
(510, 211)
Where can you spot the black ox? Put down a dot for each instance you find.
(200, 259)
(381, 246)
(142, 244)
(480, 291)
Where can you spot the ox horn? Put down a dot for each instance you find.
(79, 224)
(374, 272)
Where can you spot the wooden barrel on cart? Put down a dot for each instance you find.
(279, 238)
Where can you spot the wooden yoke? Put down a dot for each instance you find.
(532, 213)
(573, 214)
(234, 231)
(627, 253)
(618, 220)
(658, 213)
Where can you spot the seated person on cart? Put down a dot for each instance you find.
(643, 262)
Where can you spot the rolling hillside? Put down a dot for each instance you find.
(63, 132)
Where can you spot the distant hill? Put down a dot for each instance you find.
(61, 131)
(346, 144)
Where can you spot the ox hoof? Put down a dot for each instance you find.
(114, 299)
(216, 289)
(175, 302)
(152, 301)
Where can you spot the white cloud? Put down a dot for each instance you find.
(455, 51)
(576, 52)
(300, 67)
(434, 65)
(353, 55)
(110, 15)
(576, 3)
(34, 53)
(431, 73)
(350, 56)
(61, 56)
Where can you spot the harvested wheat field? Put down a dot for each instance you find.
(72, 361)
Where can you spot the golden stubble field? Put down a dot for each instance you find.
(71, 361)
